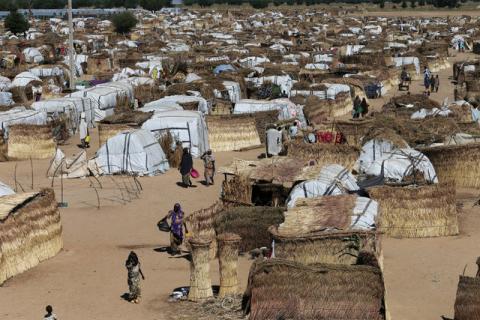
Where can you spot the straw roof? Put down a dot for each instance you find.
(28, 141)
(223, 138)
(288, 290)
(9, 203)
(467, 301)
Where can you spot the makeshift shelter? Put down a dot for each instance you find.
(279, 289)
(191, 103)
(417, 211)
(105, 97)
(30, 231)
(136, 152)
(121, 122)
(68, 168)
(71, 108)
(287, 109)
(188, 127)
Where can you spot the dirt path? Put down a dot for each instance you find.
(86, 280)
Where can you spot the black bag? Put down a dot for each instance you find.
(163, 225)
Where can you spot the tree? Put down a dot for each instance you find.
(382, 4)
(412, 4)
(421, 3)
(290, 2)
(404, 5)
(16, 22)
(205, 3)
(277, 3)
(259, 4)
(124, 22)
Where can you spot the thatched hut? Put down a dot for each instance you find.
(279, 289)
(28, 141)
(228, 262)
(200, 281)
(457, 163)
(30, 231)
(324, 154)
(417, 211)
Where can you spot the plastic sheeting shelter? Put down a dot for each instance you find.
(188, 127)
(20, 115)
(399, 163)
(5, 190)
(332, 180)
(71, 107)
(179, 99)
(23, 79)
(105, 96)
(288, 109)
(136, 152)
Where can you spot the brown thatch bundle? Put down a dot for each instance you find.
(250, 223)
(237, 189)
(417, 100)
(385, 134)
(279, 289)
(132, 118)
(30, 231)
(458, 164)
(106, 131)
(28, 141)
(417, 211)
(467, 301)
(262, 120)
(200, 281)
(324, 154)
(228, 260)
(352, 130)
(229, 133)
(174, 156)
(147, 93)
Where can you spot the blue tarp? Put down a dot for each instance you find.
(223, 68)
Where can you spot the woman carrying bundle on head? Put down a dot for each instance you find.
(176, 228)
(134, 272)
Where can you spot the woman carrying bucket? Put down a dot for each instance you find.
(176, 228)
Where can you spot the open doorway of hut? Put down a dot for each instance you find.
(268, 194)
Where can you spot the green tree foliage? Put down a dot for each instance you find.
(259, 4)
(16, 22)
(124, 22)
(205, 3)
(404, 4)
(382, 4)
(412, 4)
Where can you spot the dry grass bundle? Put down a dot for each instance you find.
(174, 156)
(30, 231)
(279, 289)
(467, 302)
(458, 164)
(353, 130)
(107, 131)
(262, 120)
(417, 212)
(324, 154)
(27, 141)
(123, 105)
(222, 107)
(250, 223)
(21, 94)
(229, 133)
(417, 100)
(385, 134)
(228, 244)
(200, 282)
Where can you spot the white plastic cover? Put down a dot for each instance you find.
(287, 109)
(23, 79)
(403, 61)
(131, 152)
(6, 99)
(20, 115)
(32, 55)
(332, 180)
(5, 190)
(189, 127)
(202, 103)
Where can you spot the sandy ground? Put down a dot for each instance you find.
(86, 280)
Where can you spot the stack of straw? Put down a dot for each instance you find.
(228, 260)
(107, 131)
(229, 133)
(200, 282)
(467, 302)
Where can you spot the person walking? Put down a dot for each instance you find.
(437, 83)
(426, 80)
(209, 167)
(50, 315)
(83, 132)
(176, 228)
(134, 272)
(356, 107)
(186, 166)
(432, 83)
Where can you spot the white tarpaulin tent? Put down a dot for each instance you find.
(161, 106)
(5, 83)
(404, 61)
(72, 107)
(136, 152)
(6, 99)
(332, 180)
(5, 190)
(69, 168)
(398, 162)
(188, 127)
(20, 115)
(104, 97)
(32, 55)
(179, 99)
(288, 109)
(23, 79)
(234, 91)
